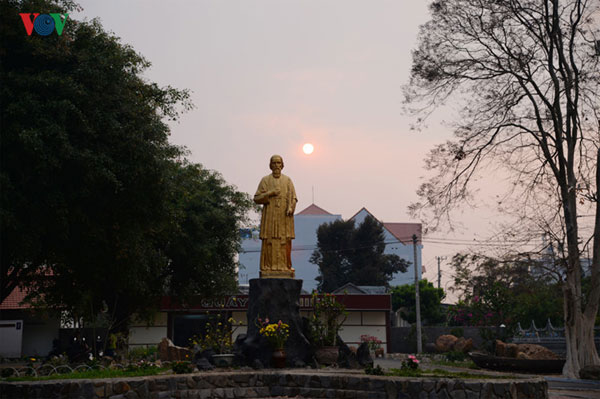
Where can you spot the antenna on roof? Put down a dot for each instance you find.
(313, 194)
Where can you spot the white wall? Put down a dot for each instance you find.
(11, 338)
(357, 323)
(302, 248)
(141, 334)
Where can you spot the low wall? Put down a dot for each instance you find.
(264, 384)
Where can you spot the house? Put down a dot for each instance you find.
(24, 332)
(398, 239)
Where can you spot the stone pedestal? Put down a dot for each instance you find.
(275, 299)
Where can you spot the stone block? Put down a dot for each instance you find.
(501, 388)
(458, 394)
(463, 345)
(428, 385)
(99, 390)
(120, 387)
(445, 343)
(205, 393)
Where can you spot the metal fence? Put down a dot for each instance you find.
(549, 332)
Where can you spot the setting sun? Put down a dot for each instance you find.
(308, 148)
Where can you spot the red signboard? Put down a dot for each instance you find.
(240, 302)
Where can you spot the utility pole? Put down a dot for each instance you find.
(439, 259)
(417, 296)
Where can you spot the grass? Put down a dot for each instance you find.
(467, 364)
(440, 373)
(104, 373)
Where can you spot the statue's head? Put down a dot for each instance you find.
(276, 164)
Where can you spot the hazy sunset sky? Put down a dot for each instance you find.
(268, 76)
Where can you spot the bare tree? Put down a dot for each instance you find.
(525, 75)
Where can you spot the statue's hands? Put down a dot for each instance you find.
(290, 212)
(273, 193)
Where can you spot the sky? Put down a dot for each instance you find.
(267, 76)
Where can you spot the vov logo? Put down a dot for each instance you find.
(44, 24)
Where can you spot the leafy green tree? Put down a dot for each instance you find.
(333, 242)
(349, 254)
(403, 297)
(202, 242)
(99, 213)
(503, 291)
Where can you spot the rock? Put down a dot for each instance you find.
(445, 343)
(206, 355)
(590, 373)
(537, 352)
(257, 365)
(347, 356)
(430, 347)
(463, 345)
(500, 348)
(524, 351)
(275, 299)
(169, 352)
(364, 356)
(203, 364)
(163, 349)
(511, 350)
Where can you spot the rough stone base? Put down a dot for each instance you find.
(275, 299)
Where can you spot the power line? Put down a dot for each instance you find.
(425, 240)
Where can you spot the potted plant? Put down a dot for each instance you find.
(217, 337)
(373, 343)
(325, 324)
(277, 334)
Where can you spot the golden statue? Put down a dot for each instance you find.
(277, 195)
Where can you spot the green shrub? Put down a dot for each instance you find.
(374, 370)
(7, 372)
(456, 356)
(143, 353)
(182, 367)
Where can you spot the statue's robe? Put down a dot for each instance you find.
(276, 227)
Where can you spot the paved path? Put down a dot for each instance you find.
(558, 387)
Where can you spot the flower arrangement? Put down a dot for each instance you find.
(373, 342)
(276, 333)
(411, 363)
(217, 335)
(327, 319)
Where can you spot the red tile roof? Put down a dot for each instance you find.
(313, 210)
(14, 299)
(404, 231)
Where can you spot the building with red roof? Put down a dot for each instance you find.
(398, 238)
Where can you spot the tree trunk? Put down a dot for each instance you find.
(579, 335)
(579, 324)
